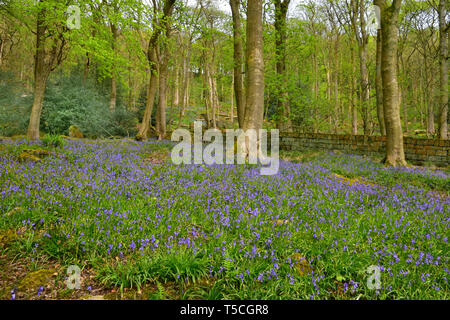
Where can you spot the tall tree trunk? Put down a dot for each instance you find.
(162, 103)
(379, 86)
(404, 104)
(443, 71)
(395, 155)
(255, 67)
(209, 97)
(364, 83)
(150, 99)
(337, 109)
(113, 95)
(238, 66)
(176, 94)
(232, 101)
(315, 87)
(353, 94)
(42, 68)
(86, 67)
(153, 63)
(284, 121)
(359, 28)
(40, 83)
(429, 97)
(185, 82)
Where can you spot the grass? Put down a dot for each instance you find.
(138, 225)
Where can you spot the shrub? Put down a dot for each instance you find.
(53, 140)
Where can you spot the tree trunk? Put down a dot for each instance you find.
(364, 83)
(337, 109)
(353, 95)
(255, 65)
(149, 102)
(176, 94)
(153, 62)
(379, 86)
(162, 103)
(238, 66)
(284, 121)
(395, 155)
(359, 28)
(429, 97)
(232, 101)
(35, 118)
(42, 68)
(112, 100)
(185, 81)
(443, 72)
(113, 95)
(86, 67)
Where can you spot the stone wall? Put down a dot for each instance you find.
(417, 151)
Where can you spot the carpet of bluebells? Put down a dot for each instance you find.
(309, 232)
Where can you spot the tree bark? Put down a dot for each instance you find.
(443, 72)
(284, 121)
(255, 67)
(162, 103)
(36, 110)
(379, 85)
(150, 99)
(45, 60)
(113, 95)
(362, 37)
(185, 82)
(153, 63)
(353, 94)
(395, 155)
(238, 66)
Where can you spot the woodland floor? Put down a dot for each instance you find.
(140, 227)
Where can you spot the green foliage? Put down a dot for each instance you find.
(15, 106)
(69, 102)
(53, 140)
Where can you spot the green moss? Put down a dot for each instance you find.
(36, 279)
(7, 236)
(301, 264)
(75, 132)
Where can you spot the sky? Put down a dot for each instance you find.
(224, 5)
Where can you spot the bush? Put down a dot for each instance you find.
(53, 140)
